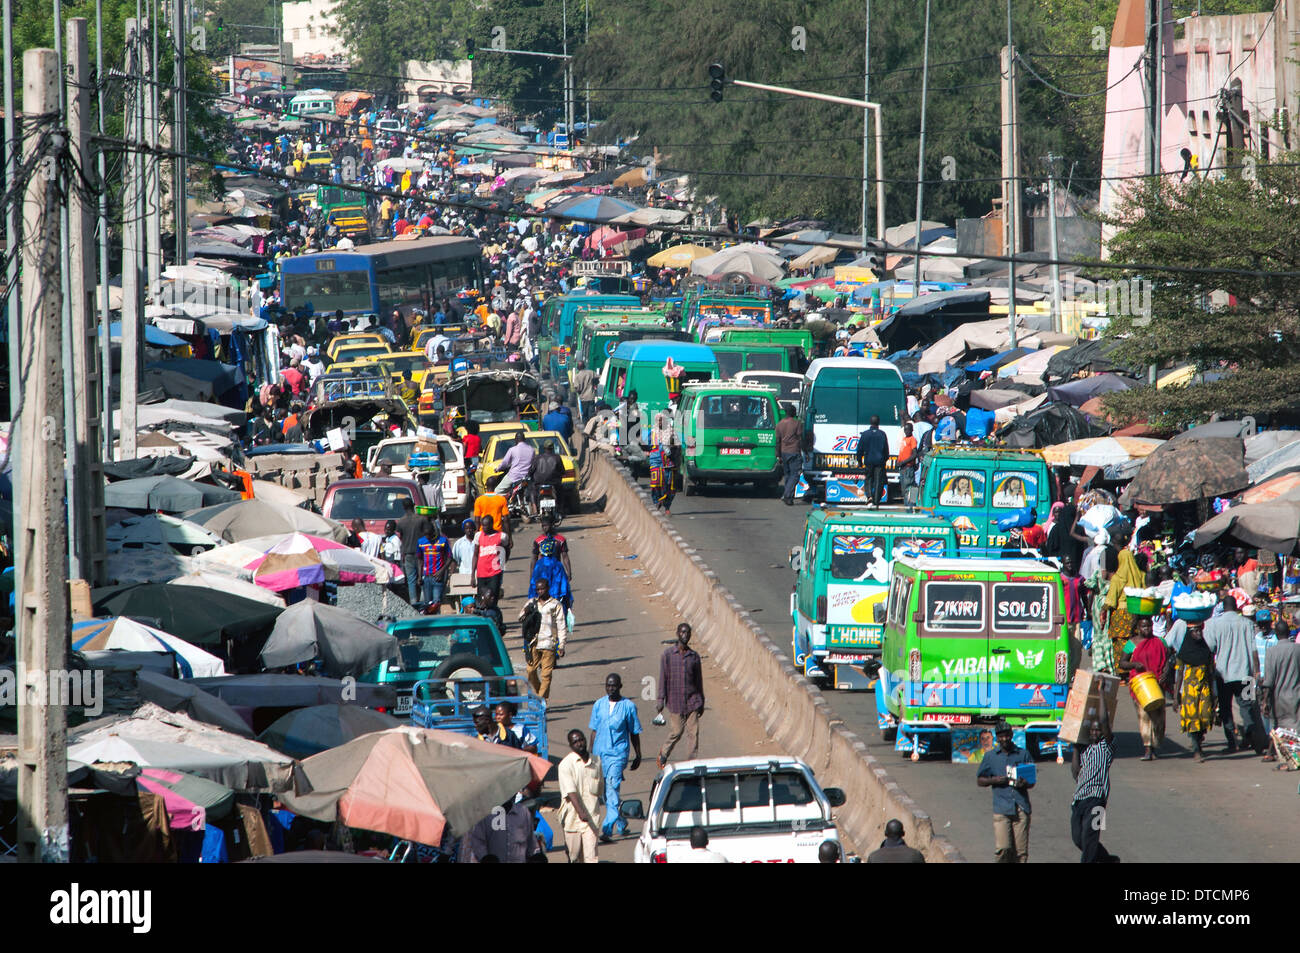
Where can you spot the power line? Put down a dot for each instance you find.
(727, 236)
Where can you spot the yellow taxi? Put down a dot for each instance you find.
(355, 337)
(358, 352)
(397, 363)
(495, 444)
(319, 158)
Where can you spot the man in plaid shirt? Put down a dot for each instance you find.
(681, 691)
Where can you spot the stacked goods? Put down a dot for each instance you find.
(1143, 601)
(1194, 606)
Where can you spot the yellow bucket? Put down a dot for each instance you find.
(1146, 688)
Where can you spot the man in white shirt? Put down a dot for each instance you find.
(548, 644)
(582, 788)
(312, 364)
(700, 853)
(463, 549)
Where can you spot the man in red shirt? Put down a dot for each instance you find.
(906, 462)
(473, 444)
(293, 377)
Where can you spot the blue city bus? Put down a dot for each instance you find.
(374, 279)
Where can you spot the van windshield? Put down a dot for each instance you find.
(738, 799)
(736, 412)
(850, 396)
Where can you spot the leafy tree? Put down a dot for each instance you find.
(530, 85)
(1244, 222)
(382, 35)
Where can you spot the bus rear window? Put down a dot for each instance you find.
(737, 413)
(328, 291)
(859, 558)
(853, 397)
(954, 607)
(1022, 607)
(766, 361)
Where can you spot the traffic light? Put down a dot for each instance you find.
(875, 256)
(469, 47)
(717, 79)
(221, 24)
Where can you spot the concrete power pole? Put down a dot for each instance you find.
(180, 187)
(42, 604)
(152, 164)
(105, 342)
(87, 495)
(1010, 175)
(132, 251)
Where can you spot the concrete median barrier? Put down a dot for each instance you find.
(793, 710)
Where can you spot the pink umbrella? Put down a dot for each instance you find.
(289, 560)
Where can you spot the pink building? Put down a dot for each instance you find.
(1227, 84)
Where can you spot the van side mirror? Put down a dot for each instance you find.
(871, 667)
(879, 612)
(835, 796)
(796, 558)
(632, 808)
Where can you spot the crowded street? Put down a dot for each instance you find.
(403, 466)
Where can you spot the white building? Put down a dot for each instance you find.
(428, 80)
(310, 25)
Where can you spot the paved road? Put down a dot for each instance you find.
(624, 622)
(1229, 809)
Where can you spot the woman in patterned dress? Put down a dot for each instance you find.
(1194, 687)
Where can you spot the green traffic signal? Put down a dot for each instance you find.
(718, 79)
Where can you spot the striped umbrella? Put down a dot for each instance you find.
(289, 560)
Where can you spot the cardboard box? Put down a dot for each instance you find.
(1083, 704)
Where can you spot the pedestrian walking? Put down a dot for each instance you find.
(490, 550)
(893, 849)
(582, 787)
(681, 691)
(1090, 768)
(547, 644)
(789, 447)
(907, 459)
(584, 389)
(435, 552)
(1231, 637)
(1281, 681)
(410, 528)
(615, 729)
(1149, 654)
(550, 562)
(1194, 683)
(1011, 807)
(872, 454)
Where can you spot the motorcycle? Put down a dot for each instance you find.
(548, 503)
(517, 501)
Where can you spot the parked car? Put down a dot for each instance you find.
(374, 499)
(756, 810)
(447, 647)
(396, 451)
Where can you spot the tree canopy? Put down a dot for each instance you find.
(1249, 348)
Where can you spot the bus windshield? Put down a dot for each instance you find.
(852, 396)
(328, 291)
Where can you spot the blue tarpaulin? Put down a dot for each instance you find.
(154, 337)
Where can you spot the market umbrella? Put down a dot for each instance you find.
(1215, 428)
(348, 644)
(1101, 451)
(1260, 445)
(153, 737)
(1284, 459)
(210, 579)
(271, 689)
(1084, 389)
(679, 256)
(756, 260)
(1273, 526)
(201, 616)
(594, 208)
(190, 800)
(1285, 486)
(128, 566)
(1188, 470)
(412, 783)
(290, 560)
(160, 532)
(308, 731)
(248, 519)
(128, 635)
(175, 695)
(165, 493)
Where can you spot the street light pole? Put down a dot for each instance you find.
(920, 156)
(874, 108)
(866, 94)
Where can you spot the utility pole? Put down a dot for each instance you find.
(13, 242)
(1051, 161)
(180, 139)
(1010, 175)
(132, 249)
(866, 122)
(105, 339)
(87, 494)
(152, 164)
(1152, 83)
(568, 74)
(42, 603)
(920, 152)
(65, 268)
(586, 36)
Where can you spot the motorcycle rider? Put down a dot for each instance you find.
(547, 469)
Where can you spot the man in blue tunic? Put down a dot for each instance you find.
(614, 728)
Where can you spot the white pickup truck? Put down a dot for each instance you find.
(396, 451)
(756, 810)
